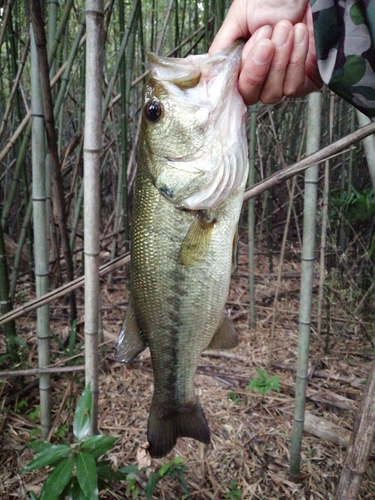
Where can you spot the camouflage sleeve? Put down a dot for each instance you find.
(344, 37)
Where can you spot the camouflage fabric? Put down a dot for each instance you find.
(344, 37)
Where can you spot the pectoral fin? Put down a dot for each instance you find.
(129, 342)
(225, 336)
(196, 243)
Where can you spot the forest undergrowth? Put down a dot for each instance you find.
(248, 457)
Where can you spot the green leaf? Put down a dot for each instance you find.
(38, 446)
(82, 416)
(178, 461)
(153, 479)
(98, 445)
(130, 469)
(105, 471)
(263, 383)
(58, 479)
(164, 469)
(76, 492)
(87, 475)
(49, 456)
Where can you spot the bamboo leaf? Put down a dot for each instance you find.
(49, 456)
(58, 479)
(82, 416)
(98, 445)
(87, 475)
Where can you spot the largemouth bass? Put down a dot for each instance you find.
(189, 189)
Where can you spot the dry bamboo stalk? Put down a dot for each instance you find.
(61, 291)
(40, 371)
(315, 158)
(326, 430)
(360, 444)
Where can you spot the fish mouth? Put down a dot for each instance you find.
(187, 72)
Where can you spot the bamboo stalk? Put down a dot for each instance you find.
(92, 149)
(49, 121)
(164, 29)
(369, 145)
(315, 158)
(323, 237)
(21, 241)
(251, 217)
(307, 273)
(61, 291)
(6, 302)
(120, 54)
(360, 444)
(40, 231)
(42, 371)
(15, 85)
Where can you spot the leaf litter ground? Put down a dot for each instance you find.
(249, 453)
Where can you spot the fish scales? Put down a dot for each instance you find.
(182, 247)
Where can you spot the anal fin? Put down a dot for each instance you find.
(225, 336)
(129, 342)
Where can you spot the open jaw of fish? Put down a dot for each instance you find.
(189, 189)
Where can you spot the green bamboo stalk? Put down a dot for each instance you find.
(14, 90)
(40, 231)
(52, 23)
(121, 208)
(4, 22)
(164, 29)
(6, 302)
(92, 150)
(69, 64)
(59, 31)
(49, 122)
(120, 54)
(369, 145)
(206, 17)
(20, 244)
(323, 237)
(307, 273)
(251, 216)
(60, 117)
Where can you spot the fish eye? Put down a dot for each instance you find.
(153, 110)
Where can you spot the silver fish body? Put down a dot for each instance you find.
(189, 189)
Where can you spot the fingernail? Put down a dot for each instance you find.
(262, 53)
(281, 34)
(299, 34)
(263, 32)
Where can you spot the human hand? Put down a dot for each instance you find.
(278, 59)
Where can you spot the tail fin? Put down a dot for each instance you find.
(164, 427)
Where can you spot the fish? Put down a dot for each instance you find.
(189, 186)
